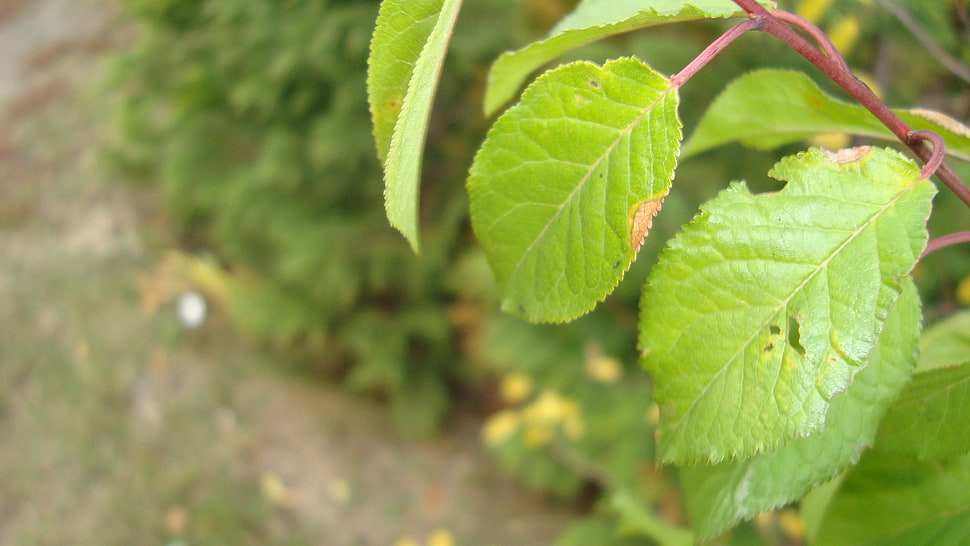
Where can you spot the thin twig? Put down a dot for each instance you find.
(855, 87)
(712, 50)
(945, 241)
(816, 33)
(948, 61)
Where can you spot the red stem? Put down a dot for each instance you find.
(939, 151)
(945, 241)
(861, 92)
(823, 40)
(712, 50)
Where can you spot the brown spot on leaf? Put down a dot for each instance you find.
(643, 221)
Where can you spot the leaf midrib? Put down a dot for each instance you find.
(678, 430)
(582, 182)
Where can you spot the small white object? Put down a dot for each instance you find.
(191, 309)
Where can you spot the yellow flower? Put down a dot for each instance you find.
(273, 488)
(536, 436)
(963, 292)
(500, 426)
(550, 408)
(604, 369)
(844, 34)
(441, 537)
(813, 10)
(574, 428)
(792, 524)
(515, 387)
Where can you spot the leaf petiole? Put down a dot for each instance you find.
(712, 51)
(944, 241)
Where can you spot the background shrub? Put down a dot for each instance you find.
(253, 118)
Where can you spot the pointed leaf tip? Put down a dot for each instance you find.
(407, 53)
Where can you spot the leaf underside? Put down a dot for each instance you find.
(718, 496)
(766, 109)
(558, 184)
(593, 20)
(930, 418)
(892, 499)
(407, 52)
(766, 306)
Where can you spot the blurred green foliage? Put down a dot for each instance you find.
(253, 117)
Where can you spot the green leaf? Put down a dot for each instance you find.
(946, 343)
(592, 20)
(407, 52)
(765, 109)
(718, 496)
(566, 185)
(639, 519)
(766, 306)
(930, 419)
(890, 499)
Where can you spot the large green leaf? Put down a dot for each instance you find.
(766, 306)
(891, 499)
(407, 52)
(769, 108)
(592, 20)
(930, 419)
(567, 182)
(719, 495)
(945, 343)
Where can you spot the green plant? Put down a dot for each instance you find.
(778, 327)
(252, 117)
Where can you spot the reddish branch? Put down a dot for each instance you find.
(834, 66)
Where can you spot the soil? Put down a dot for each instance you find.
(117, 426)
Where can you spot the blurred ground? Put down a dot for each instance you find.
(117, 426)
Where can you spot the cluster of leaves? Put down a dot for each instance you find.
(253, 116)
(778, 328)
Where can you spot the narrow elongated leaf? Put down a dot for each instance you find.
(720, 495)
(769, 108)
(593, 20)
(407, 52)
(891, 499)
(565, 186)
(766, 306)
(930, 419)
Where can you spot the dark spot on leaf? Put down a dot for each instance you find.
(616, 265)
(774, 329)
(594, 84)
(794, 337)
(770, 347)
